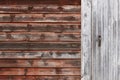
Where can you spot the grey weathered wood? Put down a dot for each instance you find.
(105, 22)
(86, 40)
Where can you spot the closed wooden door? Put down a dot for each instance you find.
(106, 24)
(101, 38)
(40, 40)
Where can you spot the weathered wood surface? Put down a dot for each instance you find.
(40, 9)
(86, 29)
(40, 27)
(106, 23)
(43, 63)
(39, 71)
(40, 54)
(40, 77)
(39, 41)
(40, 17)
(38, 2)
(39, 46)
(36, 36)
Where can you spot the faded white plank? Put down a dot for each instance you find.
(86, 40)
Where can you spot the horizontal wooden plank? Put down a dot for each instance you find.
(40, 63)
(30, 36)
(39, 18)
(37, 2)
(28, 50)
(39, 58)
(38, 71)
(40, 9)
(21, 27)
(67, 23)
(38, 46)
(40, 77)
(40, 54)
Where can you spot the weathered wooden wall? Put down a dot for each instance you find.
(40, 40)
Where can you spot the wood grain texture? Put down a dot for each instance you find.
(41, 63)
(40, 9)
(38, 2)
(106, 20)
(39, 71)
(40, 40)
(39, 46)
(39, 17)
(40, 77)
(37, 36)
(40, 27)
(40, 54)
(86, 39)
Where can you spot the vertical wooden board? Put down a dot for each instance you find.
(105, 15)
(86, 39)
(118, 56)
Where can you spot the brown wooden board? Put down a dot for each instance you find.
(40, 27)
(39, 9)
(40, 17)
(37, 36)
(39, 71)
(36, 2)
(39, 46)
(40, 77)
(42, 63)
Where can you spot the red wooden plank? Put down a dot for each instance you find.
(42, 63)
(35, 2)
(40, 77)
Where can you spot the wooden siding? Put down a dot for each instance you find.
(40, 40)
